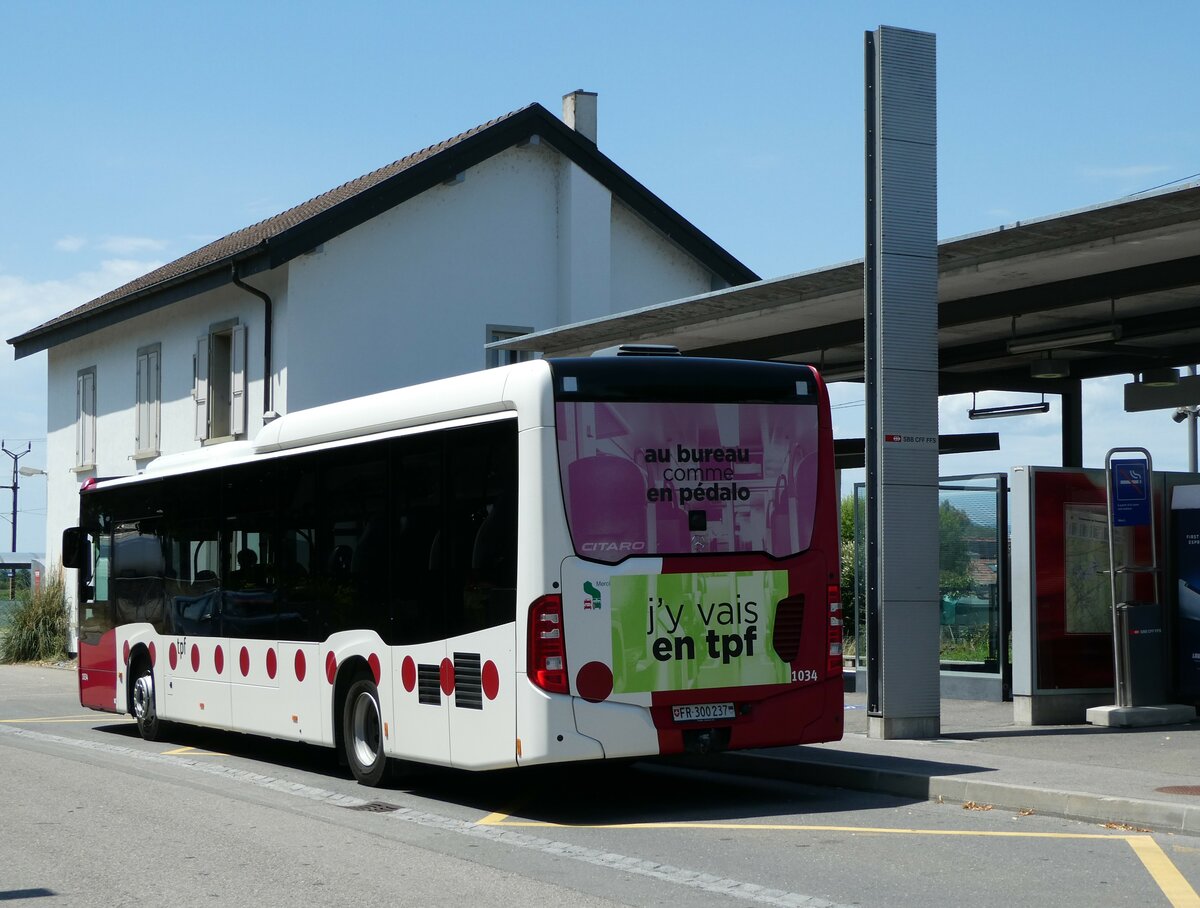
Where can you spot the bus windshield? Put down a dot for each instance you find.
(643, 478)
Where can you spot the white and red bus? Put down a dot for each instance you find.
(565, 559)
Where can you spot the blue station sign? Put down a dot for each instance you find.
(1130, 493)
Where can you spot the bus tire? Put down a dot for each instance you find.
(143, 702)
(362, 733)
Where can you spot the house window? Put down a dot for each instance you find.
(219, 386)
(505, 357)
(85, 419)
(146, 407)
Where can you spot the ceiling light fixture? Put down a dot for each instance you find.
(1049, 367)
(1069, 339)
(1008, 410)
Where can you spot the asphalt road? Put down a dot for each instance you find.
(91, 814)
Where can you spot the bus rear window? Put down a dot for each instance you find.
(687, 478)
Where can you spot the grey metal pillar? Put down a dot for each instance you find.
(901, 279)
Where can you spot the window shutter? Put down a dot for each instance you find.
(148, 383)
(154, 391)
(141, 399)
(85, 424)
(200, 387)
(237, 382)
(79, 431)
(89, 417)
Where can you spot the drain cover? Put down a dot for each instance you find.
(375, 807)
(1180, 790)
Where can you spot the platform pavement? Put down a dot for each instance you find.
(1084, 772)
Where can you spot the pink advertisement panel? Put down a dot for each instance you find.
(680, 478)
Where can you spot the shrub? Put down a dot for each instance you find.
(37, 626)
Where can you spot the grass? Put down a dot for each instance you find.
(968, 644)
(36, 629)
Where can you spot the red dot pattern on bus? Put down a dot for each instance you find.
(491, 680)
(594, 682)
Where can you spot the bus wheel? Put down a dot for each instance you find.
(144, 708)
(362, 733)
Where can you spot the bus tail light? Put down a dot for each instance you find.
(546, 661)
(834, 665)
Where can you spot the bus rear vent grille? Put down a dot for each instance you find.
(789, 621)
(468, 681)
(429, 685)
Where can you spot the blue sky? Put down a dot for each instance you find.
(136, 132)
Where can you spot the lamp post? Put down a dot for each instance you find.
(16, 483)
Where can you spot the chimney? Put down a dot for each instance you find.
(579, 112)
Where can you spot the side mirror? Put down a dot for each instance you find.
(75, 553)
(72, 545)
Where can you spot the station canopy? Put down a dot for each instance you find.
(1035, 305)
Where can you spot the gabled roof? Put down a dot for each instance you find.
(276, 240)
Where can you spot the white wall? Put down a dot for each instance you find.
(406, 296)
(584, 246)
(648, 268)
(113, 353)
(527, 239)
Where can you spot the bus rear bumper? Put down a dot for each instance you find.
(802, 715)
(810, 714)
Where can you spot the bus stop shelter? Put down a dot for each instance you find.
(1035, 306)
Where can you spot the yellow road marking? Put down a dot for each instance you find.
(192, 752)
(1164, 873)
(497, 819)
(1177, 890)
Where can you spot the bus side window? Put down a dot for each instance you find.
(101, 569)
(416, 587)
(481, 516)
(95, 616)
(191, 553)
(139, 571)
(248, 606)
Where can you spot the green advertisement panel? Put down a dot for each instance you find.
(695, 631)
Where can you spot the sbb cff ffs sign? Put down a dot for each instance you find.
(1130, 493)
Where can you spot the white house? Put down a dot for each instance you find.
(399, 276)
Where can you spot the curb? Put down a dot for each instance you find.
(1163, 816)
